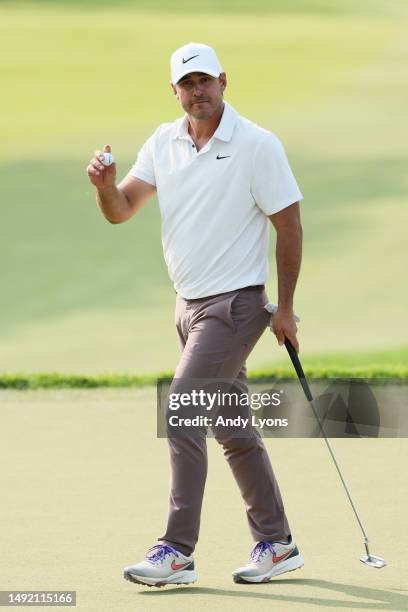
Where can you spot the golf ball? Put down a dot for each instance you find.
(107, 159)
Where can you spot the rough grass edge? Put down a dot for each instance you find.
(55, 380)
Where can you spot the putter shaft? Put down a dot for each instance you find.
(305, 386)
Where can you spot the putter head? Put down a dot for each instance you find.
(373, 561)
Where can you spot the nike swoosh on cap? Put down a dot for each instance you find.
(190, 58)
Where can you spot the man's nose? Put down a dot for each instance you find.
(197, 89)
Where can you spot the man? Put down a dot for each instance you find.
(218, 178)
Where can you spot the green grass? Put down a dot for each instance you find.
(82, 296)
(54, 380)
(309, 7)
(85, 481)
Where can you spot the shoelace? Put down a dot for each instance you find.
(260, 549)
(160, 553)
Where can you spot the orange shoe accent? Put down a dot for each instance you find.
(177, 566)
(277, 559)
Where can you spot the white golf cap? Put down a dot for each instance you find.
(194, 57)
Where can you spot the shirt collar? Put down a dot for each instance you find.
(223, 131)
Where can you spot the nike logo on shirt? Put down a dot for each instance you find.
(222, 156)
(190, 58)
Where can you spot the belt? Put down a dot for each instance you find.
(209, 297)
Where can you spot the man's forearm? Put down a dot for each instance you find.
(288, 260)
(113, 204)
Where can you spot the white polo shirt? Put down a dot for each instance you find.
(214, 203)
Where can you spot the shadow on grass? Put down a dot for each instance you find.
(382, 599)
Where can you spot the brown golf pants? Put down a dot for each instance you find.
(216, 336)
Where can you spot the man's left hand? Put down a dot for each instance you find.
(283, 324)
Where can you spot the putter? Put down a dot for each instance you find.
(368, 559)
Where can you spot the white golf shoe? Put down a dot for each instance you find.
(269, 559)
(162, 565)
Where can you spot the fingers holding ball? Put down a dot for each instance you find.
(104, 157)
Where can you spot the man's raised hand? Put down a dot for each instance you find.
(100, 175)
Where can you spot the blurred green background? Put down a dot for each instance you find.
(329, 78)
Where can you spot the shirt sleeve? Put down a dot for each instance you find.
(143, 168)
(273, 185)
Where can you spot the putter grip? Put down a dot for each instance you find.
(298, 367)
(294, 358)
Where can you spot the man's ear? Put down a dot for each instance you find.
(223, 80)
(174, 90)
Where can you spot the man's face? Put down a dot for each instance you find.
(200, 94)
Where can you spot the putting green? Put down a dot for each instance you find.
(84, 488)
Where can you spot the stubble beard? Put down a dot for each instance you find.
(204, 113)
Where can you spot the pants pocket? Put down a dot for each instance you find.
(239, 309)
